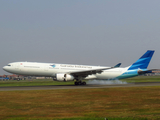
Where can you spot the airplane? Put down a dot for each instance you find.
(77, 73)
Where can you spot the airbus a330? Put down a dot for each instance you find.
(70, 72)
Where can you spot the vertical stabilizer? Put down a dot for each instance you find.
(143, 62)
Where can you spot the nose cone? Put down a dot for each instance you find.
(5, 68)
(9, 69)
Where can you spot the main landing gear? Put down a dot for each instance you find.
(80, 83)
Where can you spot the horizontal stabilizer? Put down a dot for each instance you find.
(146, 71)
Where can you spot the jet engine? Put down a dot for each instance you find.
(64, 77)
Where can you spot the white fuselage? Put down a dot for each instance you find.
(51, 69)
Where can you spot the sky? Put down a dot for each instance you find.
(85, 32)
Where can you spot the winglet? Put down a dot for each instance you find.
(118, 65)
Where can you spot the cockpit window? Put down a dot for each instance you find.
(9, 65)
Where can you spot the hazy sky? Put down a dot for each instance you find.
(90, 32)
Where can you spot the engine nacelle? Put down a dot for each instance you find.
(64, 77)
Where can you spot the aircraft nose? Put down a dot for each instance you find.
(5, 68)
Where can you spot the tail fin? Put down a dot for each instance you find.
(143, 62)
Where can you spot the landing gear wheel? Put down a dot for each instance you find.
(83, 83)
(80, 83)
(76, 83)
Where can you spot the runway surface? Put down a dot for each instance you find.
(50, 87)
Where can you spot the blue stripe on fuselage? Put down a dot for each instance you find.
(128, 74)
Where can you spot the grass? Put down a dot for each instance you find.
(143, 79)
(81, 118)
(132, 103)
(137, 103)
(33, 82)
(51, 82)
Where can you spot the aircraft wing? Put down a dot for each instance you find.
(85, 73)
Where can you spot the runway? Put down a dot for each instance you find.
(51, 87)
